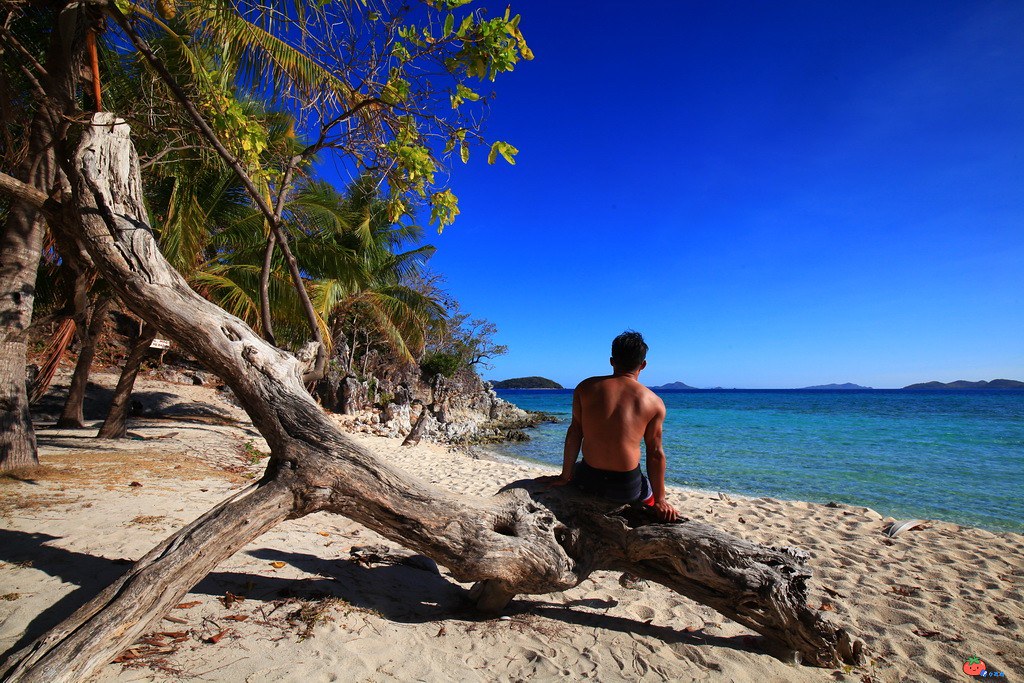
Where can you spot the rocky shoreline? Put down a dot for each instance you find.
(460, 418)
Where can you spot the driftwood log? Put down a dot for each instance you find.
(523, 540)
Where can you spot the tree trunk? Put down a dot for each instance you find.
(72, 417)
(525, 540)
(20, 249)
(116, 424)
(416, 433)
(21, 239)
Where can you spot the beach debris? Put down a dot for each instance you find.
(632, 582)
(923, 633)
(441, 631)
(236, 617)
(382, 554)
(151, 650)
(188, 605)
(905, 591)
(313, 612)
(230, 598)
(277, 565)
(369, 554)
(175, 620)
(142, 437)
(214, 639)
(1004, 620)
(898, 527)
(135, 484)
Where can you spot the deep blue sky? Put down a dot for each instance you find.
(776, 194)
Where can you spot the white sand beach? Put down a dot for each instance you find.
(324, 599)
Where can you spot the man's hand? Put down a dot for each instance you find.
(553, 480)
(665, 512)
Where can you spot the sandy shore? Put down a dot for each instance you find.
(324, 599)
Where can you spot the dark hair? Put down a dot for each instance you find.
(628, 351)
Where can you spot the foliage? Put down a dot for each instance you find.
(383, 87)
(389, 93)
(440, 363)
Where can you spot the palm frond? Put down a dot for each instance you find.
(260, 55)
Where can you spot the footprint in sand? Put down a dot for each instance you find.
(643, 613)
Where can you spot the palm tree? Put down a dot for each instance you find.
(369, 287)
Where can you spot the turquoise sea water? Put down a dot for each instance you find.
(951, 455)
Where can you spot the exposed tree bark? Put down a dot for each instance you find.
(525, 540)
(22, 235)
(115, 426)
(20, 249)
(72, 416)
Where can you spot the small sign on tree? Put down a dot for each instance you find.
(160, 344)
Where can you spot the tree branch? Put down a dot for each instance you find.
(12, 187)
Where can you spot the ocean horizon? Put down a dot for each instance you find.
(950, 455)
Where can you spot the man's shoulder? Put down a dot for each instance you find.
(649, 396)
(591, 382)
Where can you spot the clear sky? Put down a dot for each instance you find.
(777, 194)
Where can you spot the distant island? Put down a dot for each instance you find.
(673, 385)
(964, 384)
(830, 387)
(527, 383)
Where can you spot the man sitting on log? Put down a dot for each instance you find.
(610, 415)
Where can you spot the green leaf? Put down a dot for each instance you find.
(464, 152)
(449, 24)
(507, 152)
(444, 207)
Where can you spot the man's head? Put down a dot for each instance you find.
(629, 352)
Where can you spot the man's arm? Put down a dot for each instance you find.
(573, 439)
(573, 444)
(656, 464)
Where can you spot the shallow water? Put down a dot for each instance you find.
(950, 455)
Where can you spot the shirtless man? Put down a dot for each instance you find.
(610, 415)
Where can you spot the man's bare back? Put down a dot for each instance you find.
(615, 412)
(610, 416)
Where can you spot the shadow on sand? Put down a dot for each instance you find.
(409, 592)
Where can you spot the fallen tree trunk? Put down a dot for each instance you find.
(525, 540)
